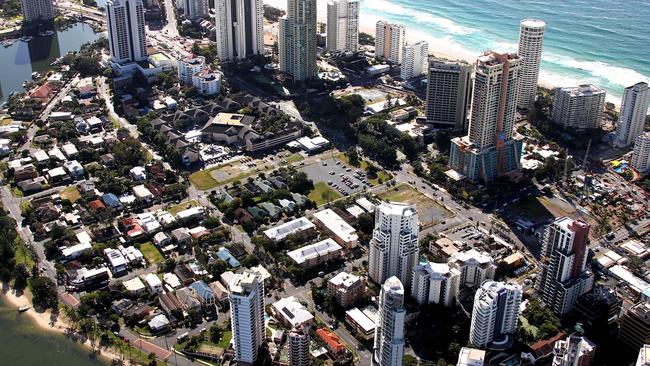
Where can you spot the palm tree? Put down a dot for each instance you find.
(72, 315)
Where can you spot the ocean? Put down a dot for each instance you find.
(602, 42)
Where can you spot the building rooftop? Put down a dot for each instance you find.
(312, 251)
(344, 279)
(337, 225)
(292, 311)
(471, 357)
(294, 226)
(361, 319)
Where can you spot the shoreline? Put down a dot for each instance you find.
(44, 321)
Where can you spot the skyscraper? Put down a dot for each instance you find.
(564, 275)
(634, 108)
(394, 245)
(239, 29)
(298, 344)
(343, 25)
(194, 9)
(389, 41)
(449, 91)
(641, 155)
(389, 329)
(247, 313)
(415, 58)
(490, 150)
(531, 41)
(573, 351)
(475, 267)
(644, 356)
(579, 107)
(126, 31)
(298, 40)
(37, 10)
(495, 313)
(635, 327)
(435, 283)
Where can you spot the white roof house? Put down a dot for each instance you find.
(40, 156)
(291, 312)
(132, 254)
(148, 222)
(315, 254)
(339, 228)
(366, 204)
(158, 322)
(172, 280)
(192, 212)
(76, 250)
(153, 282)
(74, 168)
(55, 153)
(361, 320)
(292, 227)
(134, 285)
(138, 173)
(57, 172)
(83, 237)
(70, 150)
(142, 192)
(116, 260)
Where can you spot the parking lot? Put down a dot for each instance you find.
(337, 175)
(467, 234)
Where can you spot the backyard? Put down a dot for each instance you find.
(151, 253)
(71, 194)
(182, 206)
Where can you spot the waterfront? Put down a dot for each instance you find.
(23, 343)
(22, 58)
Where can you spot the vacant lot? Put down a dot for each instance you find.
(71, 194)
(182, 206)
(319, 196)
(151, 253)
(429, 211)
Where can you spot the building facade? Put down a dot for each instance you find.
(343, 25)
(531, 42)
(247, 313)
(298, 344)
(449, 91)
(490, 149)
(475, 267)
(297, 40)
(126, 31)
(207, 82)
(189, 66)
(579, 107)
(644, 356)
(435, 283)
(573, 351)
(495, 313)
(38, 10)
(634, 108)
(390, 39)
(194, 9)
(389, 331)
(415, 58)
(239, 29)
(564, 276)
(634, 331)
(641, 155)
(394, 245)
(347, 289)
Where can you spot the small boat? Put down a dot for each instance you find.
(35, 75)
(24, 308)
(26, 38)
(8, 43)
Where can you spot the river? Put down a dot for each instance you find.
(22, 343)
(22, 58)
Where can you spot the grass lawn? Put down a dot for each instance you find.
(295, 158)
(203, 180)
(182, 206)
(71, 194)
(316, 194)
(151, 253)
(225, 339)
(382, 176)
(137, 355)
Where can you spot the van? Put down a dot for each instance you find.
(182, 337)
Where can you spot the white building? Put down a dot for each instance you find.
(449, 92)
(298, 345)
(564, 276)
(634, 108)
(154, 283)
(644, 356)
(573, 351)
(579, 107)
(435, 283)
(475, 267)
(126, 31)
(471, 357)
(641, 155)
(342, 232)
(389, 331)
(389, 41)
(38, 10)
(343, 25)
(394, 245)
(415, 58)
(495, 313)
(207, 82)
(281, 231)
(189, 66)
(116, 260)
(194, 9)
(315, 254)
(531, 42)
(290, 312)
(239, 29)
(297, 40)
(247, 314)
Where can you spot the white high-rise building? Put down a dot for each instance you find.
(127, 40)
(389, 329)
(644, 356)
(415, 58)
(37, 10)
(495, 313)
(194, 9)
(389, 41)
(343, 25)
(449, 92)
(189, 66)
(579, 107)
(475, 267)
(573, 351)
(247, 313)
(239, 29)
(297, 40)
(435, 283)
(641, 155)
(634, 108)
(207, 82)
(394, 246)
(298, 344)
(564, 276)
(531, 42)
